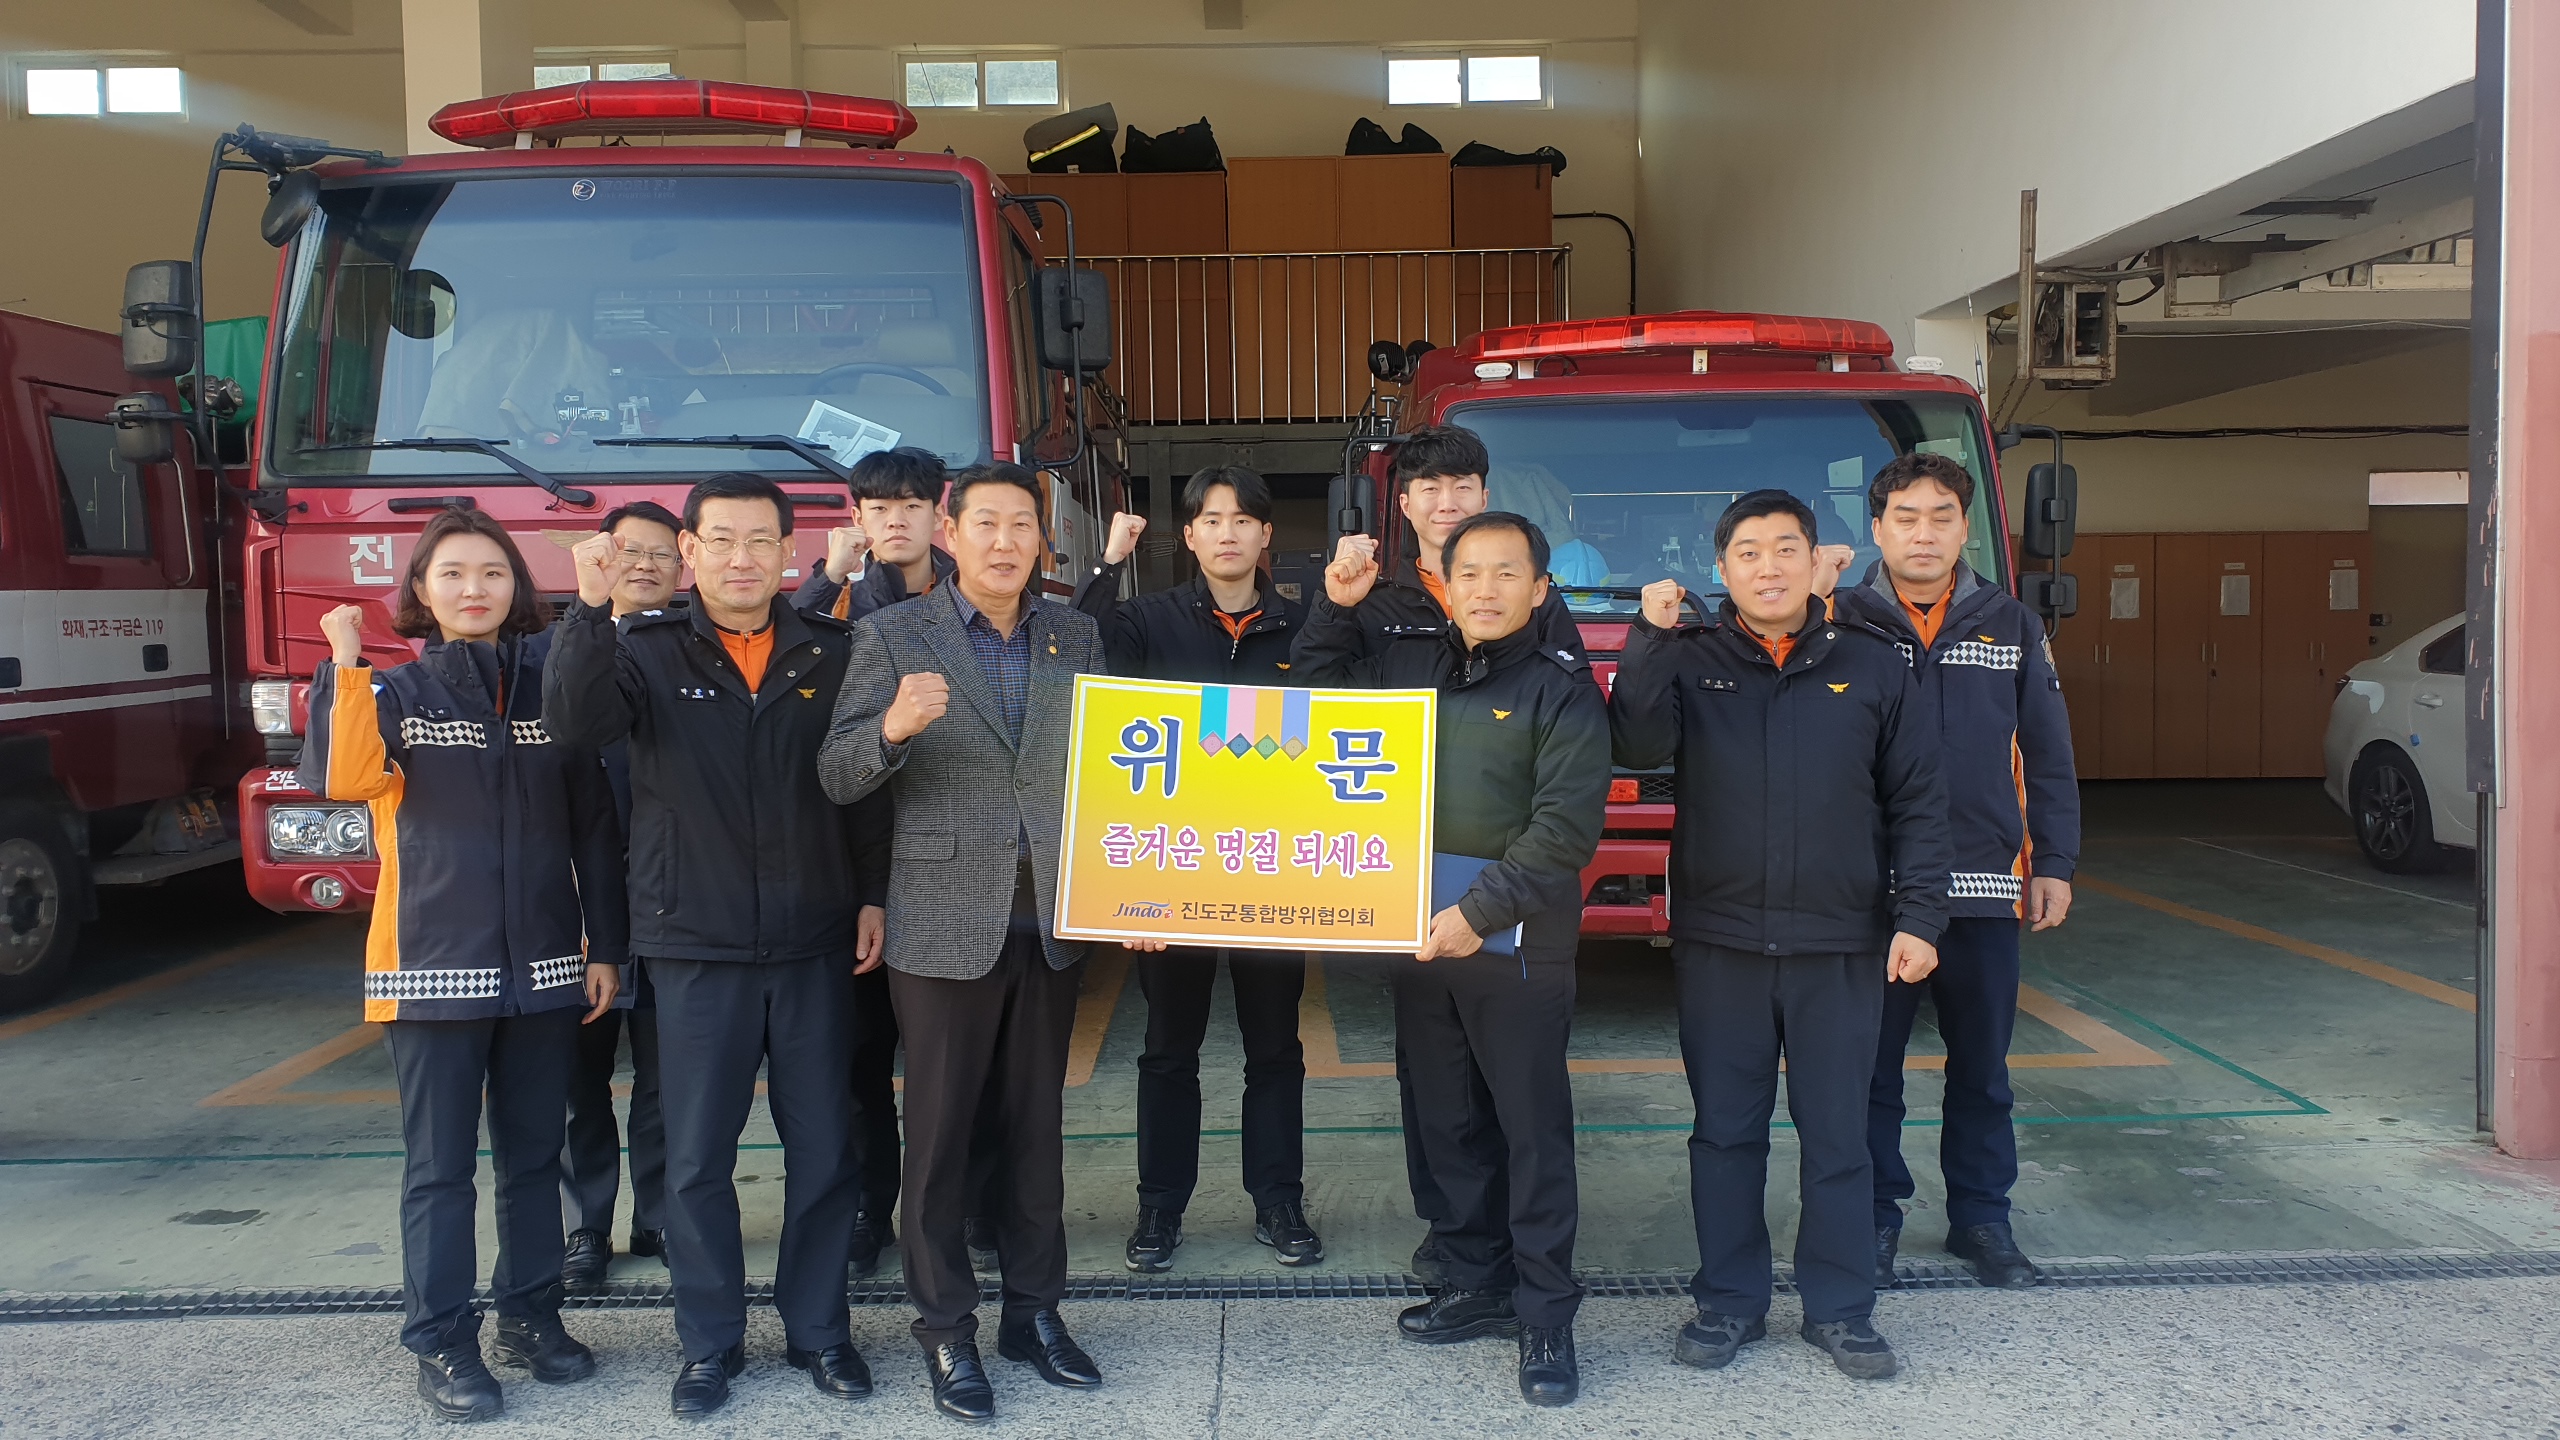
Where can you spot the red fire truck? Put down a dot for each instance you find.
(555, 323)
(1625, 437)
(118, 727)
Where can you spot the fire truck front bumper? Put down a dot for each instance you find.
(1626, 887)
(301, 852)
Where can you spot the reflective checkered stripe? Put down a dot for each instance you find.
(1989, 657)
(529, 732)
(415, 732)
(431, 985)
(559, 970)
(1972, 885)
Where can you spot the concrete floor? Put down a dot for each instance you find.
(2244, 1042)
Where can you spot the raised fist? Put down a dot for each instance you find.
(1353, 571)
(601, 565)
(1662, 604)
(846, 545)
(921, 699)
(343, 628)
(1123, 542)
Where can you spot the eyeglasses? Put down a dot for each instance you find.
(661, 559)
(721, 547)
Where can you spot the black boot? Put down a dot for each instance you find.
(1152, 1244)
(1994, 1255)
(1041, 1341)
(1455, 1315)
(1548, 1374)
(583, 1263)
(960, 1388)
(1888, 1240)
(867, 1243)
(1284, 1228)
(702, 1386)
(457, 1386)
(540, 1344)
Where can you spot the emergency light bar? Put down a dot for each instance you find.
(670, 107)
(1684, 330)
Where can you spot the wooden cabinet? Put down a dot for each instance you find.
(2104, 656)
(1392, 202)
(1284, 204)
(1100, 204)
(2076, 651)
(2314, 631)
(1501, 207)
(1177, 214)
(2206, 702)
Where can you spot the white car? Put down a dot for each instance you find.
(2395, 752)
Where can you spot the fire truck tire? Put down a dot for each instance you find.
(39, 908)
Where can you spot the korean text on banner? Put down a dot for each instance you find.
(1245, 815)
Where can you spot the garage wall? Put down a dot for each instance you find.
(1787, 148)
(89, 197)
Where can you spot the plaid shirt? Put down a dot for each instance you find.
(1005, 661)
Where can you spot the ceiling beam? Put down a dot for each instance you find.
(315, 17)
(2292, 267)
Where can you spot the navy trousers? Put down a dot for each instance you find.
(1975, 994)
(522, 1063)
(591, 1162)
(1178, 985)
(1740, 1013)
(718, 1023)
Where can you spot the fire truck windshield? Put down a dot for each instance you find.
(547, 311)
(1628, 491)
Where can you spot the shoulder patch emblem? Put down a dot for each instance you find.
(1988, 639)
(1282, 664)
(1840, 689)
(1501, 714)
(809, 694)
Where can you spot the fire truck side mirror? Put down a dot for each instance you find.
(1347, 501)
(295, 196)
(146, 429)
(160, 318)
(1075, 319)
(2053, 511)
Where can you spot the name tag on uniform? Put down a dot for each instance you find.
(696, 692)
(1709, 682)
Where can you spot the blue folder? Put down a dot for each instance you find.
(1451, 876)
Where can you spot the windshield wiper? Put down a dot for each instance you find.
(473, 445)
(1692, 599)
(792, 443)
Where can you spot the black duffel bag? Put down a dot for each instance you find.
(1368, 137)
(1078, 141)
(1186, 148)
(1476, 152)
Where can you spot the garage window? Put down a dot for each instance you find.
(101, 495)
(982, 82)
(88, 90)
(571, 70)
(1452, 79)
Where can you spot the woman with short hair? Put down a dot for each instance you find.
(498, 916)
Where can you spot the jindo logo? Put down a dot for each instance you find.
(1146, 910)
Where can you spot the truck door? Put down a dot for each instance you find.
(112, 653)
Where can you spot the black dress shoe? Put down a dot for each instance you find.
(1995, 1257)
(960, 1388)
(458, 1387)
(1152, 1244)
(837, 1370)
(979, 1233)
(583, 1263)
(649, 1243)
(1285, 1229)
(702, 1386)
(1041, 1340)
(1548, 1372)
(1455, 1315)
(1710, 1341)
(1888, 1241)
(867, 1242)
(541, 1345)
(1430, 1263)
(1855, 1348)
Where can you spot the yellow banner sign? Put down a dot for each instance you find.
(1253, 816)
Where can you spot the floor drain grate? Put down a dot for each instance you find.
(1911, 1275)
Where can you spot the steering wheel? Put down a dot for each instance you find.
(824, 380)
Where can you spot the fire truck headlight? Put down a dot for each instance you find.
(334, 832)
(271, 706)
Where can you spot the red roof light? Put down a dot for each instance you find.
(670, 107)
(1685, 330)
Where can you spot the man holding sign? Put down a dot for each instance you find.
(1484, 1013)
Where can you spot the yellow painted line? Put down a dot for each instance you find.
(1104, 976)
(2435, 990)
(267, 1087)
(2107, 1046)
(135, 989)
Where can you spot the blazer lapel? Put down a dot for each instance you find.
(948, 635)
(1052, 684)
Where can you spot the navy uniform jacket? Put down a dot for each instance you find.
(1811, 817)
(2013, 804)
(501, 860)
